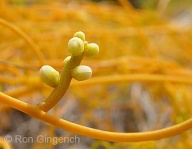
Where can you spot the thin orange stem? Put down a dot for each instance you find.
(23, 35)
(146, 42)
(4, 144)
(133, 78)
(94, 133)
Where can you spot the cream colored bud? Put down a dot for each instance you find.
(66, 60)
(49, 76)
(91, 49)
(80, 35)
(76, 46)
(81, 73)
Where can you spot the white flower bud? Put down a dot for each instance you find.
(81, 73)
(76, 46)
(49, 76)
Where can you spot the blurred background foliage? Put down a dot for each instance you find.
(141, 78)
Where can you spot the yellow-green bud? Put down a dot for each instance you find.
(76, 46)
(91, 49)
(66, 60)
(80, 35)
(85, 43)
(81, 73)
(49, 76)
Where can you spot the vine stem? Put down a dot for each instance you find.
(122, 78)
(24, 36)
(61, 89)
(37, 113)
(4, 144)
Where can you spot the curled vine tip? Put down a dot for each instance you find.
(76, 46)
(81, 73)
(91, 49)
(49, 76)
(80, 35)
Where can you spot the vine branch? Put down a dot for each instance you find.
(94, 133)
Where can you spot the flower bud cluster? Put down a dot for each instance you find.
(76, 46)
